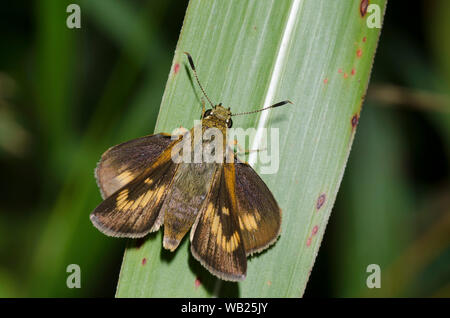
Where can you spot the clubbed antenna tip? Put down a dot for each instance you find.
(191, 63)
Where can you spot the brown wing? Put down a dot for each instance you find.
(215, 237)
(184, 200)
(134, 210)
(259, 213)
(122, 163)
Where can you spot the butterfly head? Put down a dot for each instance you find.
(219, 114)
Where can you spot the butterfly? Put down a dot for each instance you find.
(227, 207)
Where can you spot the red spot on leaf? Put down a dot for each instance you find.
(315, 230)
(359, 53)
(144, 261)
(176, 68)
(364, 39)
(340, 70)
(308, 241)
(345, 75)
(325, 81)
(363, 7)
(320, 201)
(197, 282)
(355, 119)
(353, 71)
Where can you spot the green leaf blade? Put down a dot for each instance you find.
(249, 54)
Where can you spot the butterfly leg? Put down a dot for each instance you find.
(241, 151)
(238, 150)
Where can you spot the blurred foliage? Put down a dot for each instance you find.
(67, 95)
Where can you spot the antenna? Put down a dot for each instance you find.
(260, 110)
(191, 62)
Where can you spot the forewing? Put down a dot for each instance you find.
(259, 214)
(215, 238)
(134, 210)
(122, 163)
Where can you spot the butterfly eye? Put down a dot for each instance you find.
(229, 123)
(207, 113)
